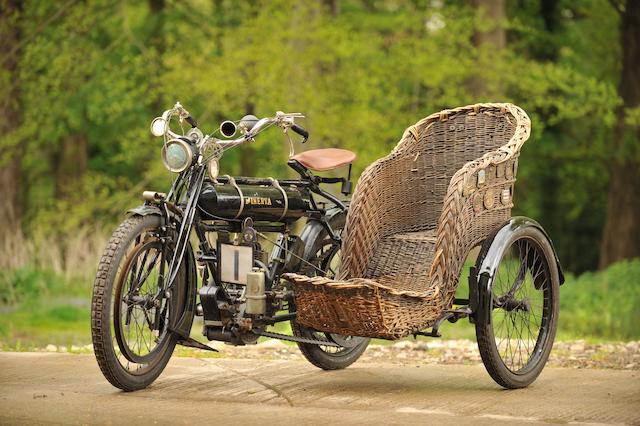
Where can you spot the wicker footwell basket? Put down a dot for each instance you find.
(414, 217)
(361, 307)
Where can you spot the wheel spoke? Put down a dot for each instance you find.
(143, 279)
(522, 298)
(133, 332)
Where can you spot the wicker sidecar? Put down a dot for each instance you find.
(416, 214)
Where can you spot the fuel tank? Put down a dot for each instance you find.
(273, 203)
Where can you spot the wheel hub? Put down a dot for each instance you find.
(511, 304)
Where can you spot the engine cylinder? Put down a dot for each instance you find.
(256, 298)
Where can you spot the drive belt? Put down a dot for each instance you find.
(296, 339)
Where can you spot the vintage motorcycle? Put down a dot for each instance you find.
(144, 298)
(415, 217)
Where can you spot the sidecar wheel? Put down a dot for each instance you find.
(325, 258)
(129, 354)
(516, 335)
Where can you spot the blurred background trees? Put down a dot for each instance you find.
(81, 80)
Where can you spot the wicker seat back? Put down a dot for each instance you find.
(414, 217)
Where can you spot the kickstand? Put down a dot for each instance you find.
(192, 343)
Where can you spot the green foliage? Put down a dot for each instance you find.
(96, 73)
(605, 304)
(37, 324)
(25, 283)
(50, 309)
(101, 71)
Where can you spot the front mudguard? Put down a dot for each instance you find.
(493, 248)
(146, 210)
(182, 326)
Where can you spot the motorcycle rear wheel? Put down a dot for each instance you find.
(130, 355)
(325, 258)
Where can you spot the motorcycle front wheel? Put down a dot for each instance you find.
(129, 320)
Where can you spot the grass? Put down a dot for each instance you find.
(42, 306)
(603, 304)
(59, 323)
(39, 307)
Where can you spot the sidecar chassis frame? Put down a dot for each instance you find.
(481, 276)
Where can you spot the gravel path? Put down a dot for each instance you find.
(570, 354)
(577, 354)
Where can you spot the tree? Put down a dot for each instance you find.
(490, 39)
(621, 236)
(11, 159)
(334, 6)
(87, 77)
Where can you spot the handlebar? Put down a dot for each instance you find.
(301, 131)
(281, 119)
(192, 121)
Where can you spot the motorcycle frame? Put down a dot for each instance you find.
(179, 215)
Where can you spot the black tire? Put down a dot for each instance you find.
(325, 257)
(523, 308)
(123, 366)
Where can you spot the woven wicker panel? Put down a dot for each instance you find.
(414, 217)
(390, 265)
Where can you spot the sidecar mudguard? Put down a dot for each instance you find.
(489, 258)
(493, 247)
(182, 326)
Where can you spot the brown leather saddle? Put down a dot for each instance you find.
(325, 158)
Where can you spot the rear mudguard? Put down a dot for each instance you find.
(480, 280)
(182, 326)
(312, 230)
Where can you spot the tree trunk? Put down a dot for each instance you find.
(488, 43)
(219, 19)
(156, 8)
(248, 156)
(621, 237)
(334, 6)
(11, 158)
(70, 165)
(157, 41)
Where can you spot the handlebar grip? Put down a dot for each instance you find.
(302, 132)
(192, 121)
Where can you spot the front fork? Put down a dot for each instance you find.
(159, 312)
(162, 299)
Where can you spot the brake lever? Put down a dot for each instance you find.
(292, 151)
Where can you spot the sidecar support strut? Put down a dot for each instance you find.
(451, 316)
